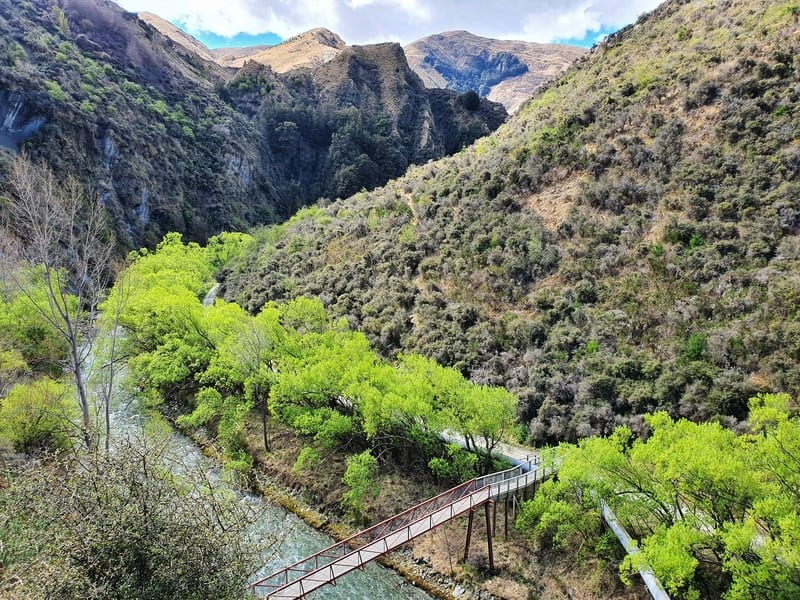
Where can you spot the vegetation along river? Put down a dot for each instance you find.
(294, 539)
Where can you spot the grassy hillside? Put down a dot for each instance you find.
(627, 243)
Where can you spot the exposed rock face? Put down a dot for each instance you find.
(16, 124)
(173, 141)
(508, 72)
(356, 121)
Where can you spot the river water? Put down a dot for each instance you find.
(295, 540)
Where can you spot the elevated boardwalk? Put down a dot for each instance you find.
(327, 566)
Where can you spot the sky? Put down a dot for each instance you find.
(219, 23)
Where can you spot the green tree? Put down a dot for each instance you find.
(482, 415)
(763, 550)
(716, 512)
(360, 478)
(26, 332)
(560, 516)
(245, 361)
(487, 414)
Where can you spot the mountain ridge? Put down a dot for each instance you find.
(506, 71)
(305, 50)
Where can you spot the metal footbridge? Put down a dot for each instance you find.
(327, 566)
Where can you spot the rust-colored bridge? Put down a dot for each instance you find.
(327, 566)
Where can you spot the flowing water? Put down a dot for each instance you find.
(294, 539)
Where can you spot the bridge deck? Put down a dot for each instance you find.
(328, 565)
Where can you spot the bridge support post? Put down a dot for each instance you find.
(489, 536)
(469, 533)
(505, 516)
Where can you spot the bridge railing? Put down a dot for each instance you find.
(328, 555)
(502, 487)
(387, 535)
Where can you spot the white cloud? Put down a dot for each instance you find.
(229, 17)
(365, 21)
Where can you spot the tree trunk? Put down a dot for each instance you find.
(264, 420)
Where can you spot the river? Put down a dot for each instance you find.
(294, 537)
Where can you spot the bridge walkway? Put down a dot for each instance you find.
(328, 565)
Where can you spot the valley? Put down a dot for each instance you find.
(594, 253)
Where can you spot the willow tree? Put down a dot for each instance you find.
(56, 250)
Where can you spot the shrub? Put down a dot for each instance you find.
(695, 348)
(121, 526)
(360, 478)
(37, 415)
(470, 100)
(55, 92)
(459, 465)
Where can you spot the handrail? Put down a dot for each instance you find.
(348, 542)
(343, 557)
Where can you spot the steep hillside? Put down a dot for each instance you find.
(508, 72)
(628, 243)
(178, 36)
(103, 95)
(306, 50)
(172, 141)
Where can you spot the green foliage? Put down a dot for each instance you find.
(39, 415)
(55, 91)
(87, 107)
(458, 465)
(159, 107)
(61, 20)
(308, 459)
(360, 478)
(696, 346)
(671, 552)
(12, 365)
(327, 426)
(560, 517)
(714, 511)
(25, 330)
(291, 361)
(607, 210)
(227, 247)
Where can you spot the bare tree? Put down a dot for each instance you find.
(109, 348)
(56, 239)
(134, 523)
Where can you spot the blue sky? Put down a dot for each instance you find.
(214, 40)
(251, 22)
(589, 38)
